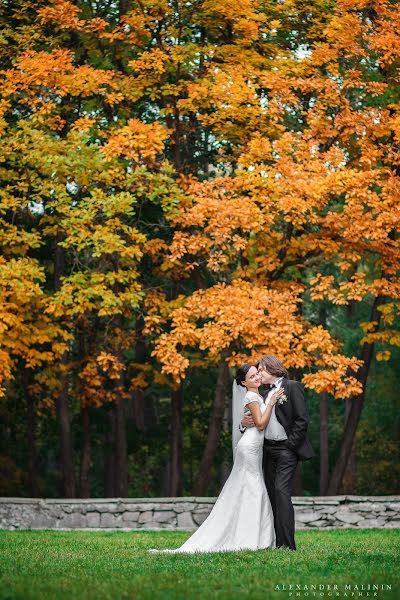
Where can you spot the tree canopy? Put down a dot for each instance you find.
(184, 187)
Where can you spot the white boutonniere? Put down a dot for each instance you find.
(282, 399)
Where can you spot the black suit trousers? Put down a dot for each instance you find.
(279, 466)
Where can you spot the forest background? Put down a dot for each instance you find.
(185, 186)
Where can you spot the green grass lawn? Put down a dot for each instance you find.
(115, 565)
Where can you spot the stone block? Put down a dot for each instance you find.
(325, 501)
(306, 516)
(185, 521)
(366, 523)
(319, 523)
(42, 521)
(17, 517)
(130, 516)
(164, 516)
(154, 526)
(110, 520)
(146, 516)
(132, 507)
(200, 516)
(392, 525)
(184, 507)
(361, 508)
(106, 507)
(55, 511)
(353, 498)
(160, 507)
(157, 525)
(328, 510)
(67, 508)
(72, 521)
(9, 501)
(348, 517)
(167, 500)
(93, 519)
(373, 506)
(151, 506)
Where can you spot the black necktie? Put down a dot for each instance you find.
(268, 388)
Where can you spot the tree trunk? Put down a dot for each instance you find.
(62, 402)
(355, 409)
(67, 465)
(349, 477)
(224, 472)
(120, 441)
(84, 479)
(30, 435)
(350, 472)
(323, 427)
(138, 394)
(121, 459)
(226, 465)
(323, 444)
(138, 409)
(176, 443)
(109, 457)
(203, 478)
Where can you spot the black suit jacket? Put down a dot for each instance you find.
(293, 416)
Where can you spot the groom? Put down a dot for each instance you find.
(285, 443)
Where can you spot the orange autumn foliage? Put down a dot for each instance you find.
(249, 320)
(294, 167)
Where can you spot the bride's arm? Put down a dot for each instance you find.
(261, 420)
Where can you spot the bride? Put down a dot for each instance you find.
(242, 517)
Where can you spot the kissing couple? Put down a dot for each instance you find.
(269, 436)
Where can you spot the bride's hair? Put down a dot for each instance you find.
(242, 372)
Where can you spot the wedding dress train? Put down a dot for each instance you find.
(242, 517)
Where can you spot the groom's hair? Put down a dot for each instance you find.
(272, 365)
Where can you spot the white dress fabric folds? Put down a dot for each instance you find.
(242, 517)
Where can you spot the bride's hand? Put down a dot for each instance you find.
(276, 395)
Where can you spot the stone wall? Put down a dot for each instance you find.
(187, 513)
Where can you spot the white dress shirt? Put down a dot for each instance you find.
(274, 430)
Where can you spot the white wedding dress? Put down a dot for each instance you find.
(242, 517)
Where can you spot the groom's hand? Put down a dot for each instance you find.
(248, 421)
